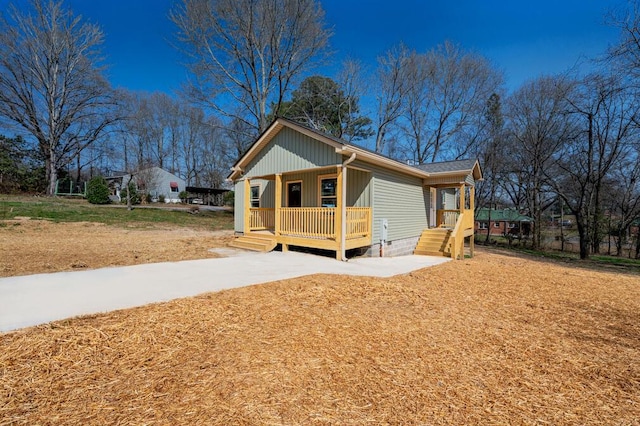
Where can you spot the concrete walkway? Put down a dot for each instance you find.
(37, 299)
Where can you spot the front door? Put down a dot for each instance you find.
(433, 197)
(294, 194)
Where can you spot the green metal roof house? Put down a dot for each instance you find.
(296, 186)
(502, 222)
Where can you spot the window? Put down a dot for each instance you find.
(174, 186)
(482, 225)
(328, 188)
(255, 195)
(512, 225)
(496, 224)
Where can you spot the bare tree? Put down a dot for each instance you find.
(538, 128)
(445, 104)
(492, 155)
(351, 81)
(625, 55)
(392, 85)
(249, 52)
(624, 199)
(605, 118)
(50, 83)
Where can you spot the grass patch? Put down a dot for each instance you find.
(593, 261)
(65, 210)
(612, 260)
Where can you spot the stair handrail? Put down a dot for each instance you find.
(455, 240)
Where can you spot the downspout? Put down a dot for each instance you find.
(343, 208)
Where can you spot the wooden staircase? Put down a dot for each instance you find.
(254, 242)
(434, 242)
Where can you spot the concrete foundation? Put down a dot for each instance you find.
(401, 247)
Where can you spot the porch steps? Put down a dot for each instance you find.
(434, 242)
(255, 243)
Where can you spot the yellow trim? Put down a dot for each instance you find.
(320, 179)
(259, 185)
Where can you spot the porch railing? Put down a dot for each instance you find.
(261, 219)
(447, 218)
(308, 222)
(358, 222)
(312, 222)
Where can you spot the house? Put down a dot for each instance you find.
(156, 182)
(502, 222)
(296, 186)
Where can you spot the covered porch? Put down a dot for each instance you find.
(324, 219)
(451, 220)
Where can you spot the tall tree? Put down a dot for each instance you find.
(491, 153)
(605, 116)
(624, 198)
(249, 52)
(392, 85)
(51, 84)
(353, 85)
(625, 55)
(538, 128)
(445, 102)
(320, 103)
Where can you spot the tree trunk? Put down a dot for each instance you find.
(486, 241)
(51, 173)
(536, 242)
(584, 238)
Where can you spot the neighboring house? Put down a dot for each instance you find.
(502, 222)
(300, 187)
(156, 182)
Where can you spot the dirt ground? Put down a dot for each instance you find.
(497, 339)
(40, 246)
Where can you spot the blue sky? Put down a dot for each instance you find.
(524, 39)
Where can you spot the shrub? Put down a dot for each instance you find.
(229, 198)
(162, 198)
(183, 195)
(135, 197)
(98, 191)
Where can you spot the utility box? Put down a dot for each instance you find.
(384, 229)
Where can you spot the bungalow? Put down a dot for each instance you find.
(502, 222)
(296, 186)
(156, 182)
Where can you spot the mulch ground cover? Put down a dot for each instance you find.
(498, 339)
(40, 246)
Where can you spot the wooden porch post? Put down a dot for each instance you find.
(247, 206)
(462, 198)
(276, 210)
(278, 204)
(338, 216)
(472, 207)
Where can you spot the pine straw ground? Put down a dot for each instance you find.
(498, 339)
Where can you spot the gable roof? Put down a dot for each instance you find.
(457, 167)
(448, 166)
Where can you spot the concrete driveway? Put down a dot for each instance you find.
(37, 299)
